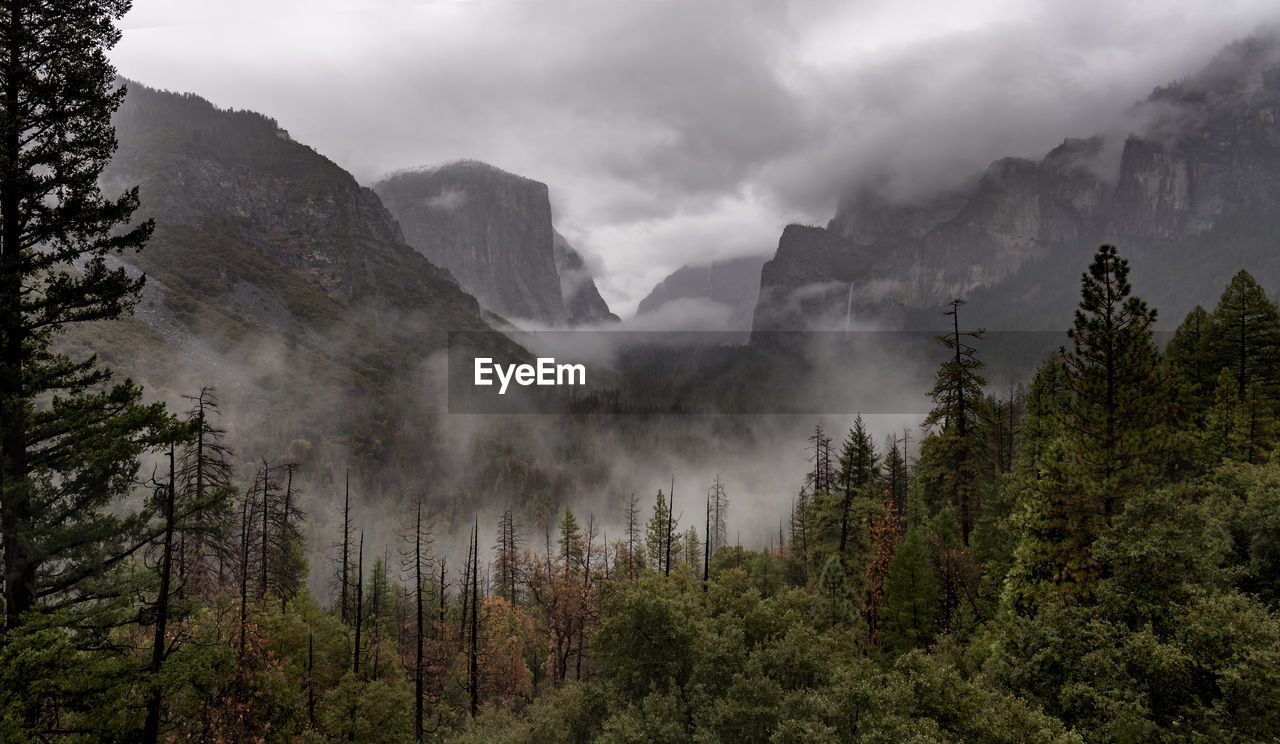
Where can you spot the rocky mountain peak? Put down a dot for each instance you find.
(493, 231)
(1202, 157)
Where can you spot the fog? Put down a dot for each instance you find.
(670, 131)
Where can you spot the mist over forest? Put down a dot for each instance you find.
(929, 373)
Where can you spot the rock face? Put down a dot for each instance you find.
(1191, 191)
(492, 230)
(275, 276)
(733, 283)
(581, 298)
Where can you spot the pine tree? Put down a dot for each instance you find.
(657, 533)
(1246, 334)
(886, 532)
(801, 531)
(833, 604)
(1099, 426)
(1190, 353)
(896, 476)
(69, 438)
(958, 408)
(691, 548)
(820, 480)
(572, 547)
(859, 468)
(1120, 398)
(911, 592)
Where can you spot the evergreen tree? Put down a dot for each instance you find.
(1120, 399)
(896, 476)
(859, 468)
(657, 533)
(1099, 427)
(572, 547)
(1246, 334)
(69, 438)
(1189, 352)
(911, 593)
(958, 409)
(801, 526)
(833, 604)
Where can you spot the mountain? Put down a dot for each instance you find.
(581, 298)
(275, 276)
(492, 230)
(733, 283)
(1188, 196)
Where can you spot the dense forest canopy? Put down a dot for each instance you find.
(1091, 556)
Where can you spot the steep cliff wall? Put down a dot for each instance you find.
(1179, 193)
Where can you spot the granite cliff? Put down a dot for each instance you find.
(1190, 189)
(275, 276)
(493, 231)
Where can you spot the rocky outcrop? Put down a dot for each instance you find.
(1204, 166)
(492, 230)
(582, 299)
(236, 201)
(273, 275)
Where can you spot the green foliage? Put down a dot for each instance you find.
(374, 711)
(912, 593)
(1120, 398)
(1246, 334)
(659, 533)
(1247, 500)
(833, 605)
(1190, 353)
(656, 719)
(1110, 433)
(1159, 653)
(572, 547)
(647, 635)
(70, 437)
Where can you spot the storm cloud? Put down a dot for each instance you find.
(672, 132)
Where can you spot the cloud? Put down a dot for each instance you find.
(448, 200)
(672, 132)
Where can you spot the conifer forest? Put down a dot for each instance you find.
(1088, 553)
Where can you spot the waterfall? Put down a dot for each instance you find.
(848, 309)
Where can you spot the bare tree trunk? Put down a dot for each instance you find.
(244, 566)
(417, 582)
(311, 686)
(266, 528)
(151, 728)
(355, 667)
(671, 511)
(345, 608)
(475, 624)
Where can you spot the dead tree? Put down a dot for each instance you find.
(151, 727)
(204, 470)
(343, 572)
(508, 556)
(355, 668)
(473, 666)
(418, 560)
(633, 534)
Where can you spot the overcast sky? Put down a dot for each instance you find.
(676, 131)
